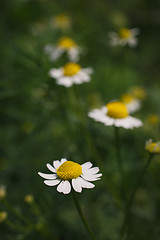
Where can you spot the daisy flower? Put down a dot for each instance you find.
(152, 147)
(65, 44)
(115, 113)
(71, 73)
(124, 36)
(66, 173)
(131, 102)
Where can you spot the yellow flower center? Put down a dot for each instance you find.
(69, 170)
(124, 33)
(153, 147)
(71, 69)
(117, 110)
(66, 42)
(127, 98)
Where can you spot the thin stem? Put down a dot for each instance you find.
(82, 216)
(126, 217)
(118, 152)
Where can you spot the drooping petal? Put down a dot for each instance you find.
(91, 177)
(52, 169)
(85, 184)
(76, 185)
(47, 176)
(66, 187)
(93, 170)
(60, 187)
(52, 182)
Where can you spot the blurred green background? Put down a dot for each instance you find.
(42, 122)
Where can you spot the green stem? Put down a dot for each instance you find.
(118, 152)
(82, 216)
(127, 214)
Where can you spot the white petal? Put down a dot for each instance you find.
(65, 81)
(63, 160)
(52, 182)
(85, 184)
(56, 164)
(86, 165)
(76, 185)
(56, 73)
(52, 169)
(60, 187)
(47, 176)
(91, 170)
(91, 177)
(66, 187)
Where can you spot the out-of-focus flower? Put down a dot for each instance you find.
(65, 44)
(61, 21)
(131, 102)
(124, 36)
(115, 113)
(66, 173)
(154, 119)
(2, 192)
(29, 198)
(152, 147)
(71, 73)
(3, 216)
(27, 127)
(138, 92)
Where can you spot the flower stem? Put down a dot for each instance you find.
(82, 216)
(119, 158)
(127, 214)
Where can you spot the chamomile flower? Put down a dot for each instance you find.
(71, 73)
(115, 113)
(124, 36)
(131, 102)
(152, 147)
(67, 173)
(65, 44)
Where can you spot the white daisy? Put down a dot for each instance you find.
(133, 104)
(66, 173)
(152, 147)
(116, 114)
(124, 36)
(65, 44)
(71, 73)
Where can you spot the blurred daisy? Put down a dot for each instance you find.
(3, 216)
(154, 119)
(29, 198)
(65, 44)
(124, 36)
(115, 113)
(131, 102)
(71, 73)
(152, 147)
(138, 92)
(2, 192)
(66, 173)
(61, 21)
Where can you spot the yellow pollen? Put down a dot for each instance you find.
(71, 69)
(117, 110)
(127, 98)
(153, 147)
(66, 42)
(124, 33)
(69, 170)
